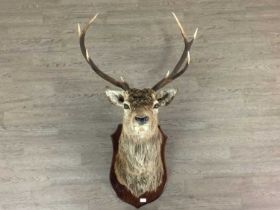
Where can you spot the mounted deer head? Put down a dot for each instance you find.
(138, 163)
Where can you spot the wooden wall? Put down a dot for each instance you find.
(223, 151)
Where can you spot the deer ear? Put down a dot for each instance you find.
(164, 97)
(115, 96)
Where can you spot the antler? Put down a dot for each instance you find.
(169, 77)
(122, 84)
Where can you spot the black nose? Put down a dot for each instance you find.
(142, 119)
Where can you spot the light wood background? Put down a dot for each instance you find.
(223, 151)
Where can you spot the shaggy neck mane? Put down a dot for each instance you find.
(139, 166)
(140, 137)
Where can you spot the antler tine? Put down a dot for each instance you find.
(176, 72)
(180, 26)
(82, 32)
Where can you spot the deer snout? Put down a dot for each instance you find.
(141, 119)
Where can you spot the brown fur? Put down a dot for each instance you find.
(121, 190)
(139, 98)
(138, 165)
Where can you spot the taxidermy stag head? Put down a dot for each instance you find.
(138, 172)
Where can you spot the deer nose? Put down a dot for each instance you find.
(142, 119)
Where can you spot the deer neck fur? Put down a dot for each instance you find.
(138, 164)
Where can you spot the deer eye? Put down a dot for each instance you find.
(156, 106)
(125, 106)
